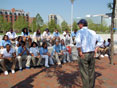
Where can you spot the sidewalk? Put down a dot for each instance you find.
(67, 76)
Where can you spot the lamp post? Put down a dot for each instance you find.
(72, 2)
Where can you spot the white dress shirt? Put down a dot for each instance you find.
(86, 40)
(11, 35)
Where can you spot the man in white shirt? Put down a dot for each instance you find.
(12, 35)
(46, 34)
(8, 54)
(86, 46)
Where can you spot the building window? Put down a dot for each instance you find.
(1, 13)
(6, 13)
(15, 14)
(10, 13)
(11, 17)
(18, 14)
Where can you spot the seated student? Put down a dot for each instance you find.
(57, 52)
(65, 52)
(73, 35)
(25, 34)
(102, 49)
(56, 34)
(46, 35)
(5, 41)
(46, 55)
(37, 37)
(34, 51)
(107, 47)
(23, 53)
(66, 37)
(8, 54)
(12, 35)
(18, 43)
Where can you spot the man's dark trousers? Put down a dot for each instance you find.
(87, 70)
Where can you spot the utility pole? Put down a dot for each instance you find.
(114, 25)
(72, 5)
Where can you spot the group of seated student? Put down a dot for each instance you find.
(16, 49)
(104, 50)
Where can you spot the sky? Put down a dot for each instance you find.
(58, 7)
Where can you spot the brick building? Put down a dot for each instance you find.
(12, 15)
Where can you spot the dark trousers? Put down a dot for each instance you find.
(87, 70)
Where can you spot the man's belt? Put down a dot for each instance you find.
(88, 52)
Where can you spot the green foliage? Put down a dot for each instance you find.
(33, 25)
(39, 21)
(110, 5)
(20, 23)
(52, 25)
(100, 28)
(64, 26)
(43, 27)
(75, 26)
(4, 25)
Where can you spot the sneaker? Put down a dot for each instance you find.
(101, 56)
(6, 73)
(47, 66)
(12, 71)
(27, 67)
(59, 64)
(106, 55)
(20, 69)
(64, 62)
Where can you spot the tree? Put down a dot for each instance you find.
(64, 26)
(39, 21)
(75, 26)
(110, 5)
(33, 25)
(20, 23)
(44, 27)
(4, 24)
(112, 26)
(52, 25)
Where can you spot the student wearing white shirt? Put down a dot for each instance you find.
(8, 54)
(67, 38)
(12, 35)
(46, 34)
(34, 51)
(37, 36)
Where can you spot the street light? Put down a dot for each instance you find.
(72, 2)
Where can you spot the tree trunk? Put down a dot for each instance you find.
(112, 26)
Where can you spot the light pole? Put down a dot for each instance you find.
(72, 2)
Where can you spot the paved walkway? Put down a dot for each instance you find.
(67, 76)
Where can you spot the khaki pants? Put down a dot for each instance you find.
(3, 63)
(58, 58)
(87, 70)
(34, 61)
(24, 57)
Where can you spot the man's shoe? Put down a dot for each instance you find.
(6, 73)
(12, 71)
